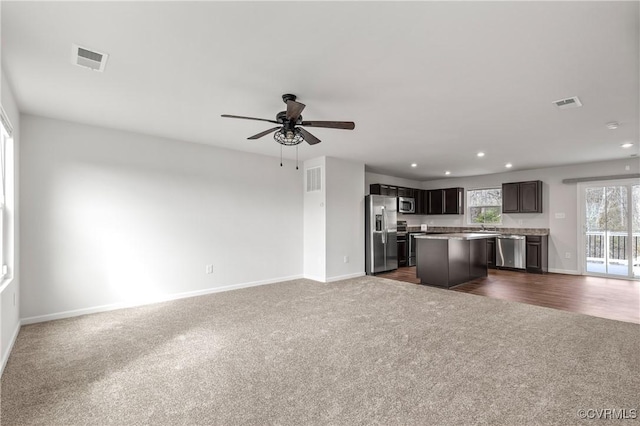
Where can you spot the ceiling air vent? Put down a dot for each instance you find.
(314, 179)
(567, 103)
(88, 58)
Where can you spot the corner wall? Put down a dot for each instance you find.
(315, 234)
(334, 221)
(345, 219)
(113, 218)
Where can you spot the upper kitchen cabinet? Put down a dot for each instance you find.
(522, 197)
(421, 201)
(406, 192)
(382, 189)
(454, 201)
(435, 201)
(445, 201)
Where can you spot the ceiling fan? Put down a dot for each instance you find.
(288, 132)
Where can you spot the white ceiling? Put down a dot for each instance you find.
(431, 83)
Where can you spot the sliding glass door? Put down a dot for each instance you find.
(611, 224)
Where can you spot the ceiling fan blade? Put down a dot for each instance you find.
(311, 140)
(294, 109)
(249, 118)
(347, 125)
(265, 133)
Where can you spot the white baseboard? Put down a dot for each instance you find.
(164, 298)
(344, 277)
(563, 271)
(333, 279)
(314, 278)
(7, 352)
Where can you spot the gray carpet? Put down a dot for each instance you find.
(361, 351)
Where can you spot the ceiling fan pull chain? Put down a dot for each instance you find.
(280, 155)
(296, 157)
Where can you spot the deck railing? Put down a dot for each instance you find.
(617, 245)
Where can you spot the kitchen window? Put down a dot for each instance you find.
(484, 206)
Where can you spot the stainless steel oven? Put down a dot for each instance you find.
(406, 205)
(411, 260)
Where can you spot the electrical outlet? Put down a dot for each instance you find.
(346, 259)
(14, 298)
(560, 215)
(209, 269)
(567, 255)
(519, 221)
(627, 168)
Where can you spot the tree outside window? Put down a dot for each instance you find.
(485, 206)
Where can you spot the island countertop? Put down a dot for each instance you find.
(459, 236)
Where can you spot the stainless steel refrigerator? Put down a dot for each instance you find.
(381, 243)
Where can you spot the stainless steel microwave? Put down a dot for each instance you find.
(406, 205)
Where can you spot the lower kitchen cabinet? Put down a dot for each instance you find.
(491, 253)
(402, 250)
(537, 254)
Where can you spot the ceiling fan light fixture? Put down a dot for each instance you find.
(289, 137)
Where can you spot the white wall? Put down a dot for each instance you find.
(315, 233)
(112, 218)
(10, 290)
(334, 221)
(344, 219)
(557, 198)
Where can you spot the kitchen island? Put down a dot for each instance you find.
(446, 260)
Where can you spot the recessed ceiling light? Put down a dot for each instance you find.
(508, 165)
(627, 145)
(414, 165)
(480, 154)
(447, 172)
(612, 125)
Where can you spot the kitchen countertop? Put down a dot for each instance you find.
(458, 236)
(469, 229)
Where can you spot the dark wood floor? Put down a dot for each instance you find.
(601, 297)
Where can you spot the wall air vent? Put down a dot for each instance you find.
(567, 103)
(314, 179)
(88, 58)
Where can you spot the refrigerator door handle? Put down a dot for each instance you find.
(384, 226)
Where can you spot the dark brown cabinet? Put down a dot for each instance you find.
(435, 201)
(432, 202)
(420, 196)
(531, 197)
(454, 201)
(445, 201)
(491, 253)
(522, 197)
(402, 250)
(537, 254)
(381, 189)
(510, 198)
(405, 192)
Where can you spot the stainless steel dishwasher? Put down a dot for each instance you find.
(511, 251)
